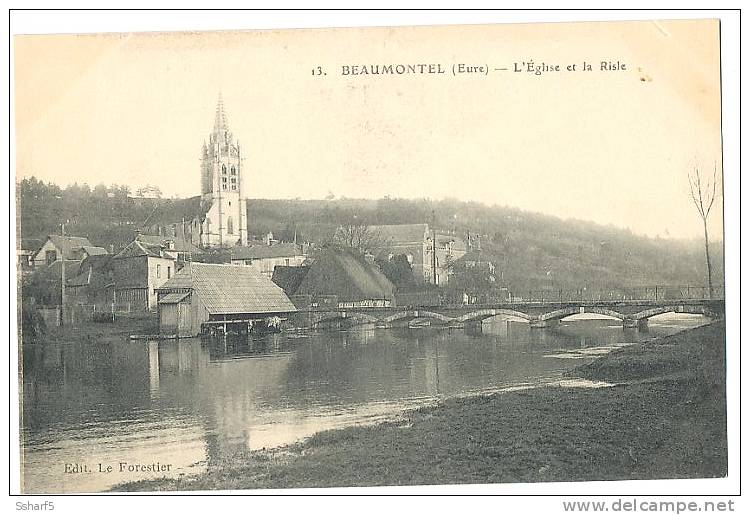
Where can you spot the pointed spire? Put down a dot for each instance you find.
(220, 122)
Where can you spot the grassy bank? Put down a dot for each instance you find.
(665, 418)
(121, 329)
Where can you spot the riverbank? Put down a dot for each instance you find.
(119, 330)
(664, 417)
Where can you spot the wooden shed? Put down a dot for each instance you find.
(202, 296)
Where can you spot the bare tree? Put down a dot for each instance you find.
(703, 197)
(359, 237)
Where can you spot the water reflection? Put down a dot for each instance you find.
(189, 402)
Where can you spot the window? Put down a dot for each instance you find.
(230, 225)
(224, 169)
(50, 256)
(158, 270)
(234, 170)
(169, 272)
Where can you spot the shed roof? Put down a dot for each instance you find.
(229, 289)
(173, 298)
(342, 273)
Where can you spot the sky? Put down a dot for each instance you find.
(613, 147)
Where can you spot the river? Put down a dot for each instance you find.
(95, 414)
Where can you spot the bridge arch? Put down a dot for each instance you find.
(357, 318)
(482, 314)
(579, 310)
(404, 315)
(678, 308)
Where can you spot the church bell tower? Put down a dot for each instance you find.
(222, 188)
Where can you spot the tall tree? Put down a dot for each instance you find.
(704, 194)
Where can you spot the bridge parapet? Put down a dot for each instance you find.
(633, 313)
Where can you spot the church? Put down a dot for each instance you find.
(218, 218)
(225, 221)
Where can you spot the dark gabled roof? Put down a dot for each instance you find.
(342, 273)
(81, 279)
(230, 289)
(72, 267)
(93, 269)
(279, 250)
(178, 244)
(137, 248)
(289, 278)
(399, 234)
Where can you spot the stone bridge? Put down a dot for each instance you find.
(539, 314)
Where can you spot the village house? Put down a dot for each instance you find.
(93, 284)
(201, 296)
(265, 258)
(415, 242)
(139, 269)
(74, 248)
(25, 252)
(337, 277)
(182, 249)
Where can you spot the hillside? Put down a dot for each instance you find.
(532, 251)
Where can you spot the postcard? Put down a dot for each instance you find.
(373, 256)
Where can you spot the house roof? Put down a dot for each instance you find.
(230, 289)
(399, 234)
(72, 267)
(342, 273)
(138, 248)
(178, 244)
(279, 250)
(93, 269)
(94, 251)
(67, 244)
(475, 256)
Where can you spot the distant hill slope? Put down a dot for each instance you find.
(532, 251)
